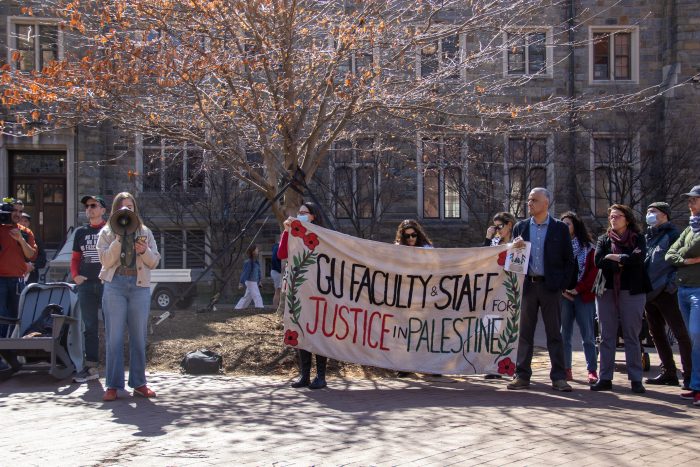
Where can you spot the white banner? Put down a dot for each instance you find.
(448, 310)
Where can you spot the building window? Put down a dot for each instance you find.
(181, 249)
(171, 166)
(613, 172)
(442, 56)
(527, 164)
(614, 55)
(440, 163)
(355, 183)
(35, 44)
(356, 61)
(528, 53)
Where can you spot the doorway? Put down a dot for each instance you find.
(38, 178)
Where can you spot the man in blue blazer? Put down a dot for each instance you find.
(550, 269)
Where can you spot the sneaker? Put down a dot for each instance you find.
(86, 374)
(696, 399)
(690, 395)
(143, 391)
(569, 375)
(561, 385)
(592, 377)
(110, 395)
(602, 385)
(518, 383)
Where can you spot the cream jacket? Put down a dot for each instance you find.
(109, 248)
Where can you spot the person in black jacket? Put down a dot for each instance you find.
(620, 253)
(550, 270)
(662, 302)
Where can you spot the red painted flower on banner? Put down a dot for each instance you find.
(506, 367)
(311, 241)
(291, 338)
(502, 258)
(297, 229)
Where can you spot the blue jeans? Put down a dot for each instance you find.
(126, 307)
(10, 290)
(90, 299)
(584, 315)
(689, 303)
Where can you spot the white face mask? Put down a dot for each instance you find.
(303, 217)
(651, 218)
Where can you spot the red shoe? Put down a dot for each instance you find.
(110, 395)
(690, 395)
(696, 399)
(569, 375)
(143, 391)
(592, 377)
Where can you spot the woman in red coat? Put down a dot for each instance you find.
(578, 301)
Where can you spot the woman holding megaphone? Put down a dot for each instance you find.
(128, 252)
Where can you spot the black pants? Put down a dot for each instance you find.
(661, 311)
(305, 363)
(536, 297)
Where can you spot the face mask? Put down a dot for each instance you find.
(303, 217)
(651, 218)
(695, 223)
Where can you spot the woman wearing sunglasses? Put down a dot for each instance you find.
(411, 233)
(501, 232)
(620, 254)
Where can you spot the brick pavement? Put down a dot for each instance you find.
(260, 420)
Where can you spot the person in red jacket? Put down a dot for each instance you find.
(578, 301)
(308, 212)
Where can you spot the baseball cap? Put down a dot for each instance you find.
(97, 198)
(26, 214)
(695, 192)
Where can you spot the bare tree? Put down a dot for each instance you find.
(285, 79)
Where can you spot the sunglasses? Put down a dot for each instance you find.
(410, 235)
(499, 226)
(91, 205)
(612, 218)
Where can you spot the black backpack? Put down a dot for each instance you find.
(202, 362)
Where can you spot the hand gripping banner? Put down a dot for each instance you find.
(445, 310)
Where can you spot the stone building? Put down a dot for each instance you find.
(452, 183)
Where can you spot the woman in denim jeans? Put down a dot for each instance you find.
(578, 301)
(127, 261)
(685, 255)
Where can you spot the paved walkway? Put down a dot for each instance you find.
(261, 421)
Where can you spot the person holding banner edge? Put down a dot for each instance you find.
(308, 212)
(551, 266)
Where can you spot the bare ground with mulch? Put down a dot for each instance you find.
(251, 343)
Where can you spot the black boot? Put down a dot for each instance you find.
(319, 381)
(304, 369)
(667, 378)
(602, 385)
(637, 387)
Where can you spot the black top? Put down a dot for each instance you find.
(634, 275)
(85, 243)
(559, 262)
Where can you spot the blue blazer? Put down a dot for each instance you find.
(559, 262)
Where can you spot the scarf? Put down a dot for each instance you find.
(580, 253)
(127, 256)
(619, 244)
(695, 223)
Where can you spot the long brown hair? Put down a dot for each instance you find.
(422, 239)
(629, 216)
(251, 251)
